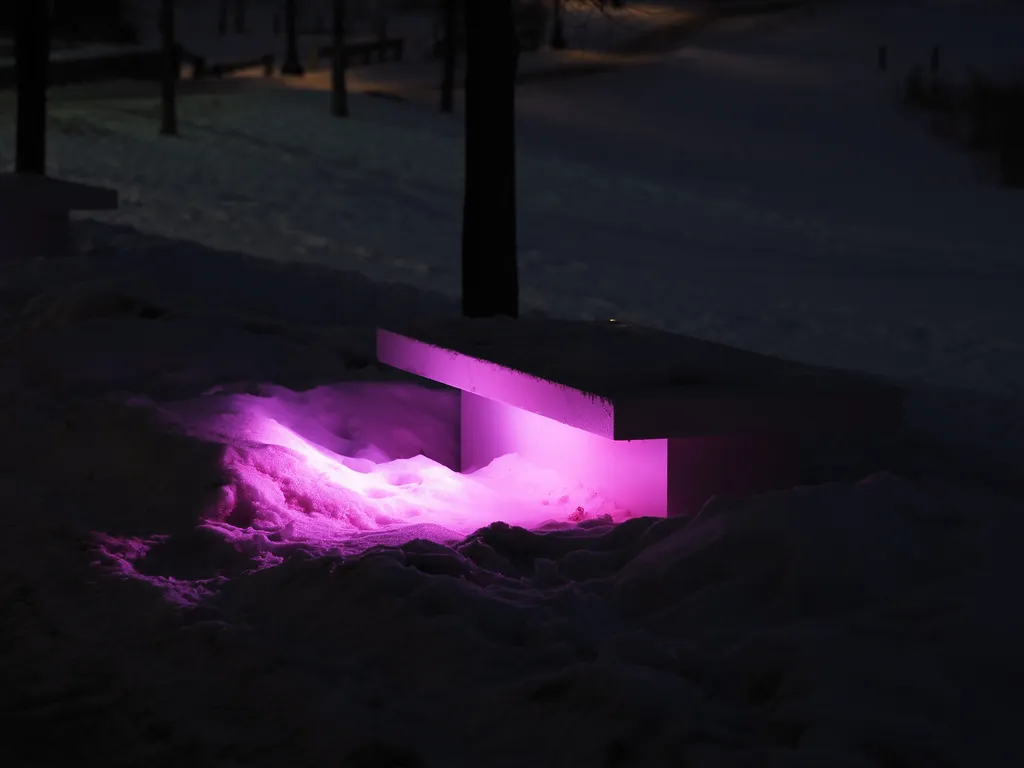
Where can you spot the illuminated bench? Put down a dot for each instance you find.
(656, 422)
(35, 213)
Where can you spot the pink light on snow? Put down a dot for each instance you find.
(631, 471)
(341, 465)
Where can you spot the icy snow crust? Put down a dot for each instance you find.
(230, 540)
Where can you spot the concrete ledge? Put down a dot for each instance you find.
(32, 192)
(35, 214)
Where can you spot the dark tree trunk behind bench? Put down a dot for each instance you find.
(557, 25)
(490, 279)
(32, 57)
(291, 64)
(339, 61)
(240, 9)
(169, 76)
(451, 14)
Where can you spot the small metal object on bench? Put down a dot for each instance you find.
(34, 213)
(654, 421)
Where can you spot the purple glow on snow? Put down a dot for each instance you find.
(649, 478)
(359, 464)
(632, 472)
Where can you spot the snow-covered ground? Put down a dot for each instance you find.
(198, 444)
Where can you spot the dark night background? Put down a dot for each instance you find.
(232, 537)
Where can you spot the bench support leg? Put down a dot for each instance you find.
(729, 465)
(647, 477)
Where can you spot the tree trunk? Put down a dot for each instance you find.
(32, 60)
(169, 76)
(291, 64)
(339, 61)
(451, 14)
(557, 25)
(380, 25)
(240, 9)
(490, 279)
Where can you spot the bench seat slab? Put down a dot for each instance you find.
(35, 213)
(655, 422)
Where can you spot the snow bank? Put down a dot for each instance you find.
(836, 625)
(187, 581)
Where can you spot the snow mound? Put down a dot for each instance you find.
(230, 571)
(185, 493)
(339, 464)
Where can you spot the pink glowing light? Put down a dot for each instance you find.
(351, 465)
(633, 472)
(565, 405)
(646, 477)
